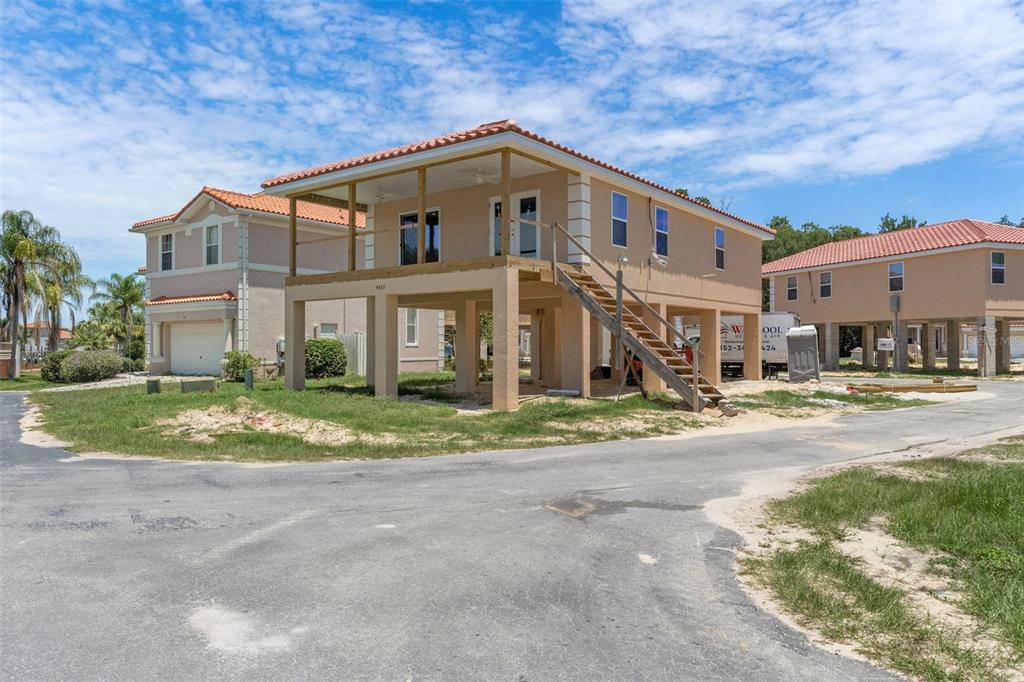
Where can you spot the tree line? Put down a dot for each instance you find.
(41, 276)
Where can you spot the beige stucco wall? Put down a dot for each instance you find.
(952, 284)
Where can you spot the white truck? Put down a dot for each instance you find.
(774, 353)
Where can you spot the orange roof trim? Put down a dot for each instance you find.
(963, 232)
(201, 298)
(264, 203)
(481, 131)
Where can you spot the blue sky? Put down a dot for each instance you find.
(826, 112)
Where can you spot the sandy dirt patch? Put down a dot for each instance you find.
(32, 433)
(202, 426)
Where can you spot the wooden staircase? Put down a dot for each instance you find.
(644, 343)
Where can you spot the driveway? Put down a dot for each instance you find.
(584, 562)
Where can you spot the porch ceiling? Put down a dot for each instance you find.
(482, 170)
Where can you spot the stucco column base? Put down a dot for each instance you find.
(371, 335)
(867, 344)
(536, 355)
(986, 346)
(752, 346)
(711, 345)
(575, 352)
(928, 345)
(551, 349)
(467, 347)
(832, 346)
(882, 356)
(505, 306)
(901, 360)
(1002, 346)
(952, 344)
(652, 382)
(385, 342)
(295, 345)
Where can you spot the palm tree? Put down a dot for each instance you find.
(27, 247)
(90, 335)
(65, 288)
(125, 293)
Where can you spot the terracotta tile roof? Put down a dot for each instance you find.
(201, 298)
(141, 270)
(40, 324)
(264, 203)
(481, 131)
(928, 238)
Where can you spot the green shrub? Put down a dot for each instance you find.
(235, 364)
(325, 358)
(49, 368)
(133, 365)
(90, 365)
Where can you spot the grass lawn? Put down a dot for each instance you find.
(28, 381)
(969, 509)
(791, 401)
(126, 420)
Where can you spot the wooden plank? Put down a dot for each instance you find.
(506, 201)
(351, 227)
(421, 215)
(293, 239)
(531, 265)
(324, 200)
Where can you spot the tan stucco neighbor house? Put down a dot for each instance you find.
(497, 218)
(946, 276)
(215, 273)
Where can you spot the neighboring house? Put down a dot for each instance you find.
(942, 276)
(441, 235)
(38, 342)
(969, 343)
(215, 274)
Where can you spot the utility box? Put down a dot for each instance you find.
(802, 345)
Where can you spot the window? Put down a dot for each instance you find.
(825, 285)
(409, 237)
(166, 251)
(998, 267)
(328, 330)
(719, 248)
(620, 218)
(791, 288)
(895, 277)
(412, 330)
(661, 231)
(212, 244)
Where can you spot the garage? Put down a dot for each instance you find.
(197, 348)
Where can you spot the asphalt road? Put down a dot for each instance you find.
(439, 568)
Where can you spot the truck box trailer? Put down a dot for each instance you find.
(774, 353)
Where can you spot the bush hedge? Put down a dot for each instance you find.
(235, 364)
(90, 365)
(133, 365)
(325, 358)
(49, 368)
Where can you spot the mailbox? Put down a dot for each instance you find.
(802, 343)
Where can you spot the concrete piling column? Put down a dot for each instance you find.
(901, 360)
(652, 382)
(505, 305)
(371, 333)
(867, 344)
(832, 346)
(574, 356)
(385, 341)
(711, 344)
(467, 347)
(952, 344)
(928, 346)
(986, 346)
(752, 346)
(295, 345)
(536, 341)
(882, 356)
(1002, 346)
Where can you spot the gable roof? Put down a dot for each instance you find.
(963, 232)
(482, 131)
(264, 203)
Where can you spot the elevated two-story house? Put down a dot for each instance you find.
(497, 218)
(920, 285)
(215, 273)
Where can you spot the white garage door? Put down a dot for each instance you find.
(197, 348)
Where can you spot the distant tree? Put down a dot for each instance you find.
(699, 199)
(890, 224)
(1005, 220)
(125, 294)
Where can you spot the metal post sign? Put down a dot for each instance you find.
(887, 344)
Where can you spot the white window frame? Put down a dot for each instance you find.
(220, 239)
(611, 222)
(722, 248)
(829, 285)
(795, 288)
(337, 328)
(161, 252)
(515, 198)
(668, 217)
(992, 267)
(902, 276)
(440, 224)
(414, 325)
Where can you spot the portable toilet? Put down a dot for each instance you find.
(802, 343)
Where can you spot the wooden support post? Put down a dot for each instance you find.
(352, 226)
(506, 201)
(505, 312)
(293, 232)
(467, 347)
(421, 216)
